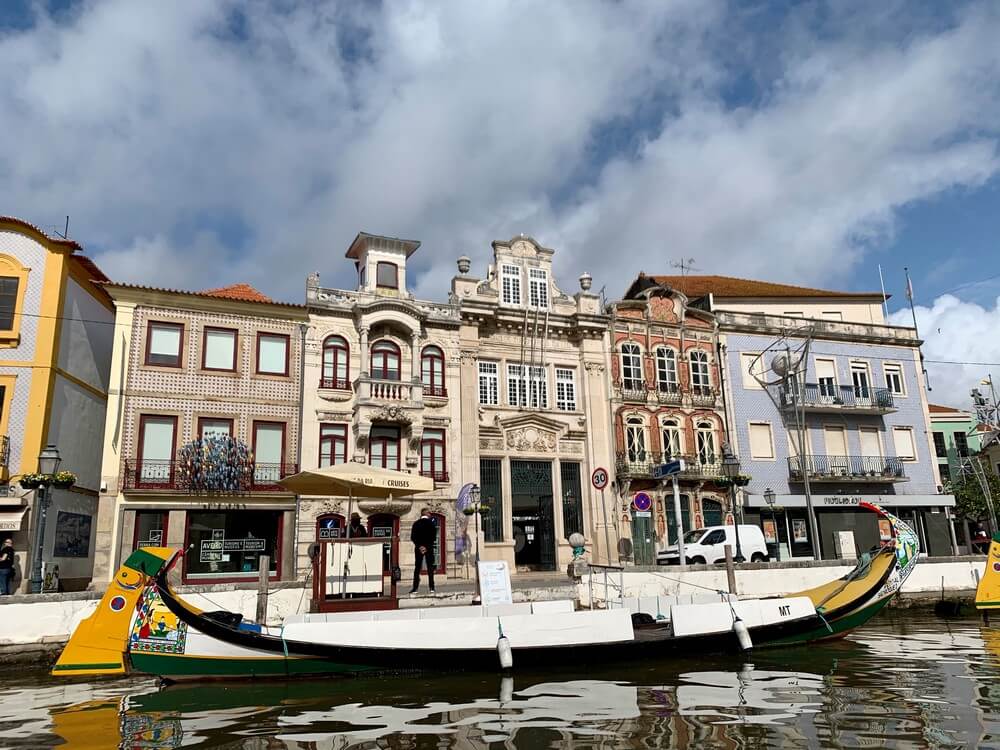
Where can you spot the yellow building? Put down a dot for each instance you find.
(56, 335)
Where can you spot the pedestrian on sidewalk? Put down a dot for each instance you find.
(423, 534)
(6, 567)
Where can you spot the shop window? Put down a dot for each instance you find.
(387, 275)
(385, 360)
(336, 363)
(229, 544)
(332, 444)
(218, 349)
(150, 529)
(272, 354)
(383, 447)
(163, 344)
(432, 371)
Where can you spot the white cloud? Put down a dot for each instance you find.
(956, 331)
(462, 123)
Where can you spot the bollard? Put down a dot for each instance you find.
(730, 569)
(265, 567)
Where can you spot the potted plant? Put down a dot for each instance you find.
(32, 481)
(63, 479)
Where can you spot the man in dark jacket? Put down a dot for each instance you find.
(422, 535)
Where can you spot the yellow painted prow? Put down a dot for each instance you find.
(988, 591)
(99, 643)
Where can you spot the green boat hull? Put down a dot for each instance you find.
(838, 628)
(195, 667)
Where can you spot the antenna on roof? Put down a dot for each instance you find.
(685, 266)
(65, 232)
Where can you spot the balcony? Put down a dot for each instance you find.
(641, 465)
(858, 469)
(435, 391)
(631, 390)
(439, 476)
(178, 476)
(380, 389)
(823, 398)
(668, 393)
(703, 395)
(335, 384)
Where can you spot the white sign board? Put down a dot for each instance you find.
(494, 583)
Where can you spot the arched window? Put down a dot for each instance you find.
(631, 367)
(385, 360)
(336, 363)
(666, 370)
(635, 439)
(432, 371)
(673, 445)
(330, 526)
(705, 438)
(701, 383)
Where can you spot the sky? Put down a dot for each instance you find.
(195, 144)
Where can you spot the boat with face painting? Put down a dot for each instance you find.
(141, 625)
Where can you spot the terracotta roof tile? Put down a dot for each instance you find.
(32, 229)
(242, 292)
(90, 268)
(730, 286)
(939, 409)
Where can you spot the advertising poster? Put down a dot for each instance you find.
(770, 532)
(799, 533)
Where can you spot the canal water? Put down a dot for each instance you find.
(906, 680)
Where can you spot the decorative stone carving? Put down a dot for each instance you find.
(329, 394)
(491, 444)
(391, 413)
(392, 505)
(594, 367)
(531, 439)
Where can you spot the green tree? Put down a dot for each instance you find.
(970, 502)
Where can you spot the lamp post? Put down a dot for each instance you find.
(48, 464)
(731, 469)
(769, 499)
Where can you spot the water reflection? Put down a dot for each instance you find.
(908, 681)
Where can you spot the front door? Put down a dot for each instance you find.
(531, 506)
(643, 538)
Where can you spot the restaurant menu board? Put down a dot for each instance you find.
(494, 583)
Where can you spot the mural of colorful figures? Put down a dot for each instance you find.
(156, 629)
(217, 463)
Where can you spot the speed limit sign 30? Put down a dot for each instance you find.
(599, 478)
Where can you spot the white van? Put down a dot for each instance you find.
(708, 545)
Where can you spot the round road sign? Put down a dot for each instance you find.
(642, 502)
(599, 478)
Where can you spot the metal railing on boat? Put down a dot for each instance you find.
(607, 580)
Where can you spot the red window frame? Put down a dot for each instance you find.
(378, 445)
(140, 447)
(284, 447)
(378, 275)
(288, 348)
(329, 443)
(385, 349)
(339, 347)
(338, 517)
(149, 343)
(202, 420)
(434, 356)
(204, 347)
(437, 451)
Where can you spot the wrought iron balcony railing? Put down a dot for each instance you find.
(668, 393)
(631, 390)
(873, 469)
(825, 397)
(180, 476)
(640, 465)
(435, 390)
(440, 476)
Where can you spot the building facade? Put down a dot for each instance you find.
(382, 386)
(56, 331)
(956, 437)
(203, 421)
(667, 405)
(535, 408)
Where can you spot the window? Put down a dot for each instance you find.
(961, 444)
(635, 439)
(793, 313)
(336, 363)
(163, 344)
(432, 371)
(902, 439)
(150, 529)
(268, 452)
(218, 349)
(761, 440)
(538, 388)
(569, 472)
(832, 315)
(940, 447)
(383, 447)
(870, 443)
(631, 367)
(432, 458)
(538, 288)
(894, 379)
(517, 394)
(705, 438)
(157, 441)
(332, 444)
(386, 275)
(244, 535)
(210, 427)
(491, 496)
(489, 383)
(826, 377)
(565, 389)
(860, 380)
(751, 364)
(8, 301)
(671, 438)
(945, 471)
(666, 370)
(700, 382)
(272, 354)
(510, 284)
(385, 360)
(527, 386)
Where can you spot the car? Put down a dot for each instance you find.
(708, 545)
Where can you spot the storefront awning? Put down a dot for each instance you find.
(10, 518)
(825, 501)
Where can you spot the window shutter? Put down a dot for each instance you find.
(761, 444)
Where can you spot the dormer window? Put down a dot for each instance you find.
(538, 288)
(510, 283)
(386, 275)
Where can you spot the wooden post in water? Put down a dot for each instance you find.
(730, 569)
(265, 568)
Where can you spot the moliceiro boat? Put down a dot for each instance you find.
(142, 626)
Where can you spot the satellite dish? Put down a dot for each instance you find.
(780, 366)
(625, 547)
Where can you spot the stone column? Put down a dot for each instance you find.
(415, 356)
(365, 363)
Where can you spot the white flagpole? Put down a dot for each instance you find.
(885, 307)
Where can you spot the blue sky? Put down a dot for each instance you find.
(196, 144)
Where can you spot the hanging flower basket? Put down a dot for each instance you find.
(32, 481)
(63, 479)
(471, 510)
(740, 480)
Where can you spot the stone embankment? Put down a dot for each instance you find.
(34, 627)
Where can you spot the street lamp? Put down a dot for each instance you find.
(769, 497)
(48, 464)
(731, 469)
